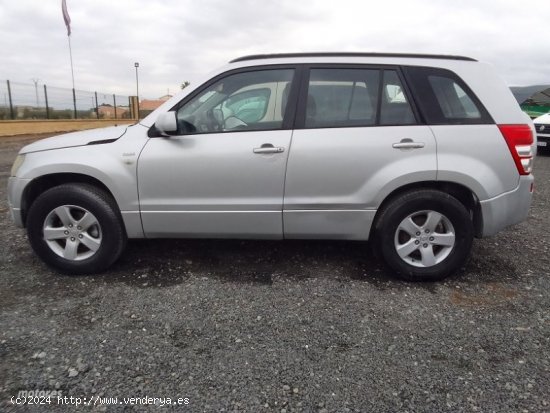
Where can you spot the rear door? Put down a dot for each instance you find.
(357, 139)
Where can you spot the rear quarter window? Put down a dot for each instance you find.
(444, 98)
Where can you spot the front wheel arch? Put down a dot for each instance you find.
(41, 184)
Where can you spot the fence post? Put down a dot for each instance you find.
(134, 107)
(46, 99)
(74, 102)
(96, 106)
(12, 114)
(114, 105)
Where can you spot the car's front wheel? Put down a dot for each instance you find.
(424, 235)
(76, 229)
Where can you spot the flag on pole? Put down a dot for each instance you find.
(66, 16)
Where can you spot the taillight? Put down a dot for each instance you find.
(519, 139)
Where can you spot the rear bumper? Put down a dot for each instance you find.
(507, 209)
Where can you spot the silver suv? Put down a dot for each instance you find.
(417, 153)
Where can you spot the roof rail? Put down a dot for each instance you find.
(350, 54)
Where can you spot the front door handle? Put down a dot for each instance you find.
(268, 148)
(408, 144)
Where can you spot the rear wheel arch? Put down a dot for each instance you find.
(462, 193)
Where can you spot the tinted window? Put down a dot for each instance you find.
(342, 97)
(444, 98)
(243, 101)
(453, 101)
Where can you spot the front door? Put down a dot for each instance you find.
(222, 174)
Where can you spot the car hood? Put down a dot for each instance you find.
(80, 138)
(544, 119)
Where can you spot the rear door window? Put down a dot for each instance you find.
(341, 97)
(395, 108)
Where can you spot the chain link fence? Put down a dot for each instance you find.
(21, 101)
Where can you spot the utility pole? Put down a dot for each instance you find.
(136, 65)
(35, 81)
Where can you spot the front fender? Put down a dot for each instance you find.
(115, 172)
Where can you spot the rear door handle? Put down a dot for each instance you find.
(408, 144)
(268, 148)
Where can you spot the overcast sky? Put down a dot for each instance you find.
(177, 40)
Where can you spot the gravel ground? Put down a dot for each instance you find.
(280, 326)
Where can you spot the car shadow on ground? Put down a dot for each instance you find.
(162, 263)
(171, 261)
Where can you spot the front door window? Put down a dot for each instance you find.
(239, 102)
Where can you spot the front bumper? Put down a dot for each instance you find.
(507, 209)
(16, 186)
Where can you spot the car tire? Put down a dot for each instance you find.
(424, 235)
(76, 229)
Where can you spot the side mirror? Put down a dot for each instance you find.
(167, 123)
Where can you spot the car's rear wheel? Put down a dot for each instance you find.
(424, 235)
(76, 229)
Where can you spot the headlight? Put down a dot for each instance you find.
(17, 164)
